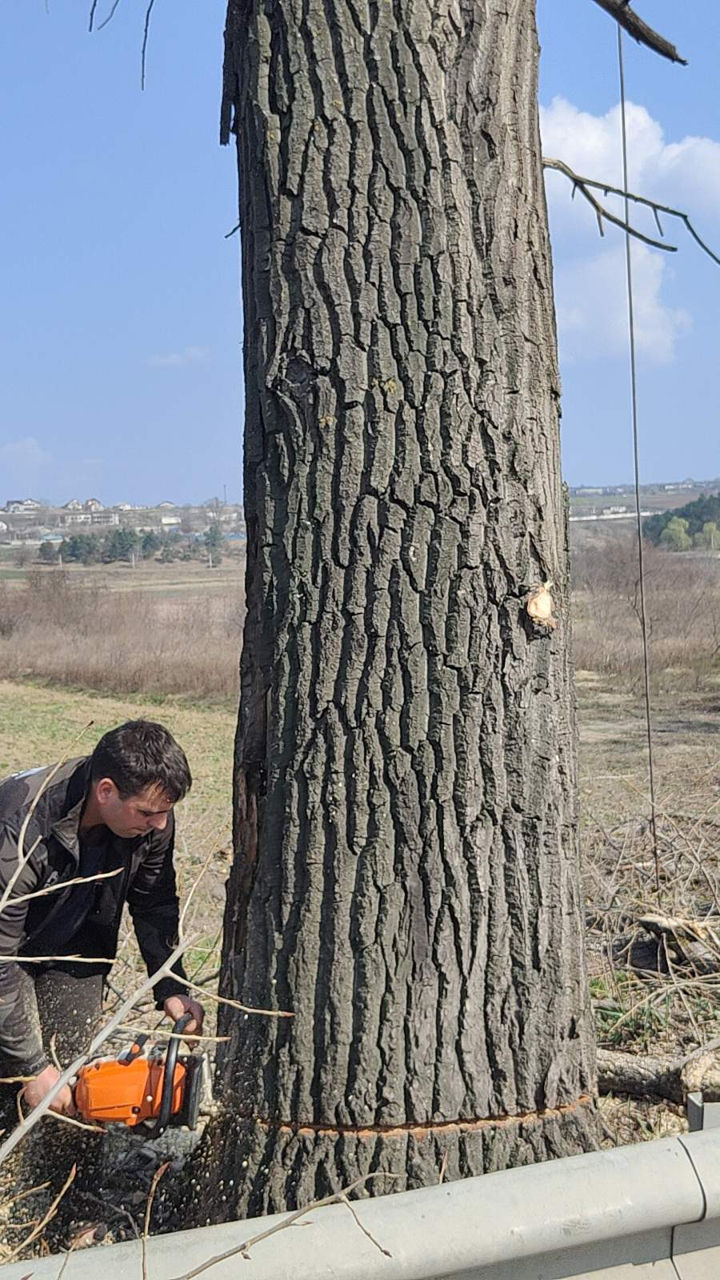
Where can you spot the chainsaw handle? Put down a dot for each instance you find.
(169, 1075)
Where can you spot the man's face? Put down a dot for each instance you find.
(136, 815)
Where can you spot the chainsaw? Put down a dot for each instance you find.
(145, 1090)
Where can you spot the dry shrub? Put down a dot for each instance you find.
(682, 594)
(654, 931)
(132, 641)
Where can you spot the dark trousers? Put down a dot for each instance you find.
(69, 1004)
(69, 1000)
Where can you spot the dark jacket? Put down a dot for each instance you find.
(145, 880)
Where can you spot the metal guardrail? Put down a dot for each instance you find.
(645, 1212)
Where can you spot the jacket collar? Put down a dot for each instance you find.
(67, 829)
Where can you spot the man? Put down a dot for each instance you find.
(60, 829)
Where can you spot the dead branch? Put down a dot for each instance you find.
(234, 1004)
(44, 1221)
(348, 1205)
(646, 1076)
(16, 959)
(65, 884)
(54, 1115)
(625, 17)
(692, 940)
(193, 887)
(292, 1218)
(109, 18)
(171, 1035)
(584, 185)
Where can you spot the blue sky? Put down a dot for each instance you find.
(120, 337)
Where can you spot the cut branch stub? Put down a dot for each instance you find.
(627, 18)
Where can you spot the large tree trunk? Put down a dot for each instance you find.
(406, 877)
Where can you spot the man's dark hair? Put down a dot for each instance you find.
(142, 754)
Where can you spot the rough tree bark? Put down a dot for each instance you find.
(406, 875)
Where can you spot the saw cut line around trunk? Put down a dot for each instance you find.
(400, 1130)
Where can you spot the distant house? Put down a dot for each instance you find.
(165, 506)
(93, 504)
(73, 505)
(167, 521)
(124, 506)
(76, 517)
(22, 506)
(104, 518)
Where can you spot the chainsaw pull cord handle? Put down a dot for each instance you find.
(169, 1075)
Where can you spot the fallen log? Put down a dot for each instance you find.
(647, 1076)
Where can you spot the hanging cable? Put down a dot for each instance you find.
(636, 464)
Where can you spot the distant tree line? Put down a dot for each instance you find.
(697, 524)
(129, 545)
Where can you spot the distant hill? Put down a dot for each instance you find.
(697, 513)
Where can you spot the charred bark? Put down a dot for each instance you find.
(405, 878)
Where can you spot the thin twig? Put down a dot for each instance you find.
(292, 1218)
(171, 1035)
(583, 185)
(118, 1212)
(44, 1221)
(64, 884)
(77, 1124)
(191, 893)
(344, 1200)
(23, 1195)
(110, 16)
(146, 32)
(234, 1004)
(148, 1210)
(23, 959)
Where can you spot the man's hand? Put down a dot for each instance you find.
(40, 1085)
(176, 1006)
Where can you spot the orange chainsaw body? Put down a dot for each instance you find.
(111, 1091)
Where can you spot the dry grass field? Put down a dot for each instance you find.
(154, 630)
(109, 643)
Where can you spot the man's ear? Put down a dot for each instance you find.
(105, 791)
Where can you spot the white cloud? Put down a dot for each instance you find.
(683, 174)
(179, 359)
(24, 453)
(590, 276)
(27, 470)
(592, 314)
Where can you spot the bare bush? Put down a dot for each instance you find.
(683, 612)
(132, 641)
(655, 957)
